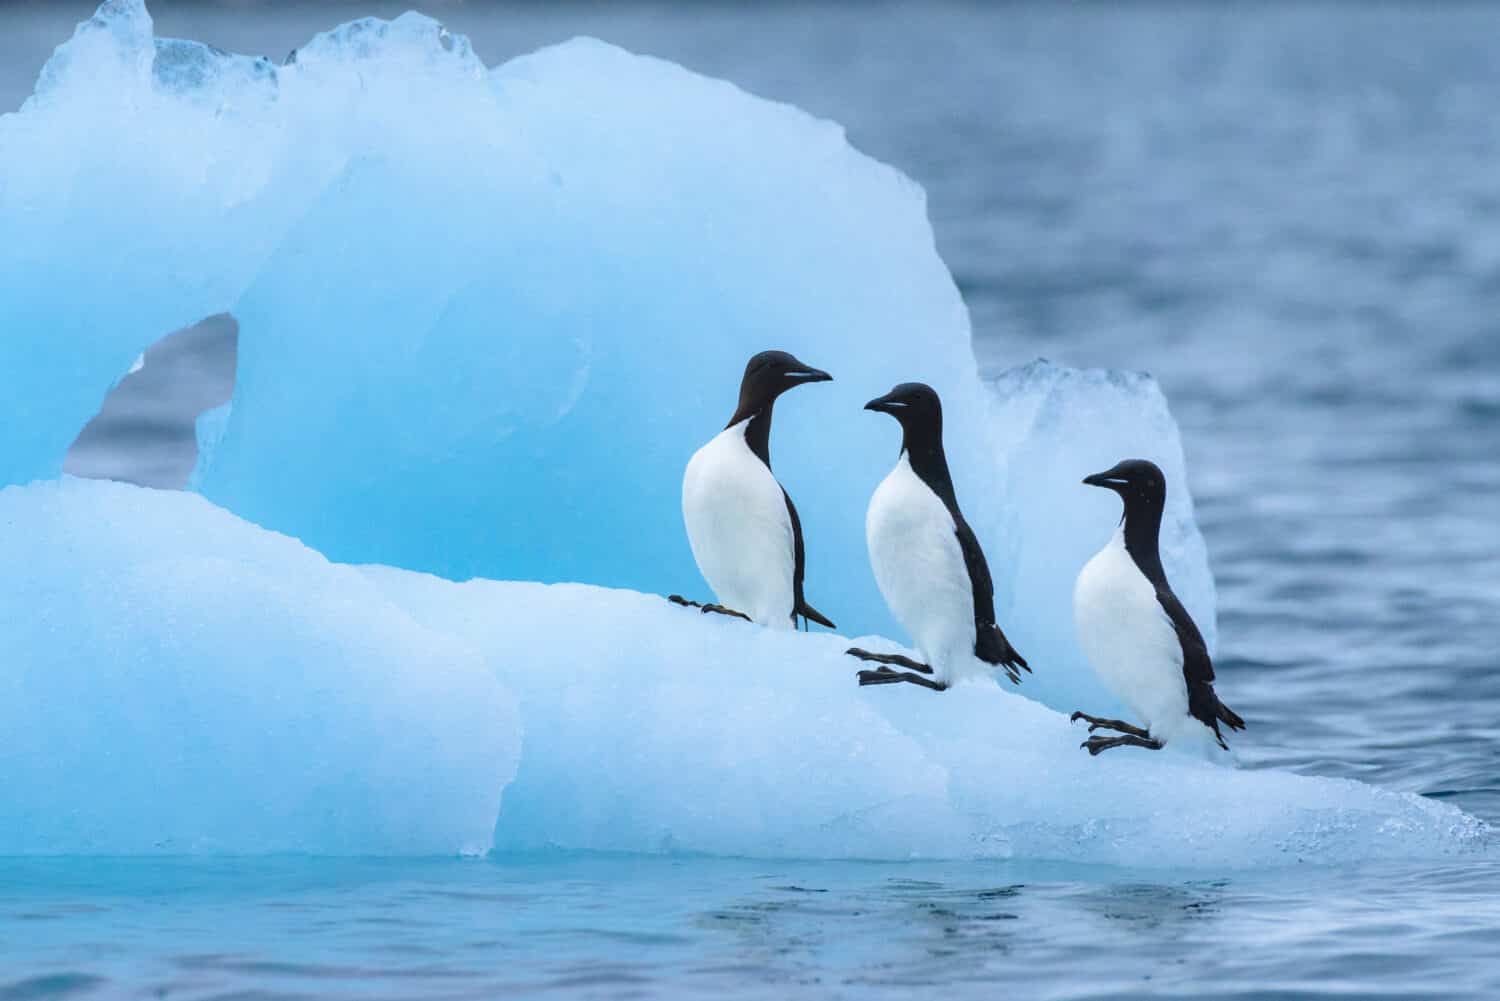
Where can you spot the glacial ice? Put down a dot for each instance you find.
(485, 317)
(616, 237)
(178, 680)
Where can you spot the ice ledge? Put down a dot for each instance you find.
(178, 680)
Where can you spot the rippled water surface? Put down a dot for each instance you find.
(1291, 215)
(631, 927)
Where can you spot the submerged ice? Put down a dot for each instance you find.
(485, 318)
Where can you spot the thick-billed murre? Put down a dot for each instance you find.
(742, 526)
(1139, 638)
(927, 561)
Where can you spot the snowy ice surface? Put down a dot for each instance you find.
(176, 680)
(653, 728)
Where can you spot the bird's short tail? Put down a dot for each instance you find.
(991, 646)
(1229, 716)
(811, 614)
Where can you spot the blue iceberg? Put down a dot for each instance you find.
(485, 317)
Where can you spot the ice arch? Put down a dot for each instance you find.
(145, 432)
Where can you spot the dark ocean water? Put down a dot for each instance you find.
(1290, 214)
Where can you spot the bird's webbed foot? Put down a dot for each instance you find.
(885, 676)
(888, 658)
(1098, 744)
(721, 610)
(1096, 722)
(678, 599)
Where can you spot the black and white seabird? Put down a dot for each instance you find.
(927, 561)
(1141, 641)
(742, 525)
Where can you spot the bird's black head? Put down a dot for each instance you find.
(767, 376)
(1139, 483)
(915, 405)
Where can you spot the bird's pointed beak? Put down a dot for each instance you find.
(1106, 479)
(809, 374)
(883, 404)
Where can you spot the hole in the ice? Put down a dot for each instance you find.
(145, 431)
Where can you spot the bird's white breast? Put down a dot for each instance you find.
(920, 568)
(1129, 640)
(739, 528)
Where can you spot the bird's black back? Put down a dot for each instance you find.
(1143, 515)
(758, 438)
(922, 440)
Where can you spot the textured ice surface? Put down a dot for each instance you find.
(173, 679)
(654, 728)
(177, 679)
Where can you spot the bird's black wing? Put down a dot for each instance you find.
(799, 565)
(990, 644)
(1197, 669)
